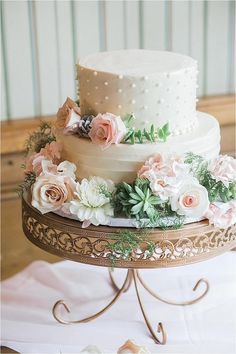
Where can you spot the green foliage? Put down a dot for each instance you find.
(136, 200)
(153, 135)
(40, 138)
(127, 242)
(217, 191)
(30, 178)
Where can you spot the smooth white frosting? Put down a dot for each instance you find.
(158, 87)
(121, 162)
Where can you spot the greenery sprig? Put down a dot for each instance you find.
(30, 178)
(40, 138)
(127, 242)
(217, 191)
(140, 136)
(35, 142)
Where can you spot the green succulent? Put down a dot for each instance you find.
(136, 200)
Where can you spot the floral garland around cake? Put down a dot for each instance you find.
(166, 188)
(106, 128)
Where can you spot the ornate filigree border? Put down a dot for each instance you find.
(67, 239)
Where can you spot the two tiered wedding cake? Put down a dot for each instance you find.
(135, 151)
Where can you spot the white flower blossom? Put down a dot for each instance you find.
(92, 205)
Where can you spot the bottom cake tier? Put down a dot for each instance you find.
(121, 162)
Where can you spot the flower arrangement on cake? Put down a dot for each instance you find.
(134, 152)
(168, 191)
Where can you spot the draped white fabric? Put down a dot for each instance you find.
(206, 327)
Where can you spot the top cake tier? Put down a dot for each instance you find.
(158, 87)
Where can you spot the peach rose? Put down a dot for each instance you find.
(51, 192)
(130, 347)
(222, 215)
(191, 199)
(68, 117)
(51, 152)
(107, 129)
(223, 168)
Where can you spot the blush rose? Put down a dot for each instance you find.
(51, 152)
(222, 215)
(191, 199)
(107, 129)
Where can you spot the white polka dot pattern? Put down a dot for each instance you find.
(166, 94)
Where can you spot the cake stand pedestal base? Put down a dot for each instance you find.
(132, 276)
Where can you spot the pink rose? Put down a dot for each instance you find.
(50, 192)
(51, 152)
(164, 174)
(223, 168)
(154, 163)
(107, 129)
(68, 117)
(222, 215)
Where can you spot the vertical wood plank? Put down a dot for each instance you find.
(66, 64)
(132, 23)
(196, 39)
(47, 56)
(19, 64)
(180, 27)
(217, 47)
(87, 26)
(115, 25)
(4, 114)
(154, 25)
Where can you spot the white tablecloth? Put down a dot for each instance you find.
(206, 327)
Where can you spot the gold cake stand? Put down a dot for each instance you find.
(65, 238)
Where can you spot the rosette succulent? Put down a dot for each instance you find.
(136, 200)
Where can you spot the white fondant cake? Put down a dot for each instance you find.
(121, 162)
(135, 152)
(158, 87)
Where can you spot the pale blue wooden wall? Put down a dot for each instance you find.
(42, 40)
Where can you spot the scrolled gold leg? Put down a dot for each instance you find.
(160, 328)
(115, 286)
(170, 302)
(87, 319)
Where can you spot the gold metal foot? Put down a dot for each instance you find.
(61, 303)
(170, 302)
(160, 328)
